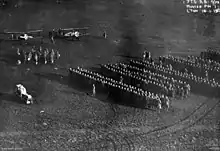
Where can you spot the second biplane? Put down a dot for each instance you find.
(68, 33)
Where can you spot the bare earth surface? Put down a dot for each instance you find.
(73, 120)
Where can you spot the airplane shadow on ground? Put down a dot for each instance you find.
(81, 86)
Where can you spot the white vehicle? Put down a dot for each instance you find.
(21, 92)
(28, 99)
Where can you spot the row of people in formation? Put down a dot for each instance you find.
(37, 54)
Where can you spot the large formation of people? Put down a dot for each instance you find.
(197, 83)
(149, 99)
(150, 81)
(199, 66)
(156, 81)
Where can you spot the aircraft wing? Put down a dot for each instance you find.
(12, 33)
(34, 31)
(83, 28)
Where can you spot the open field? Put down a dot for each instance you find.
(72, 119)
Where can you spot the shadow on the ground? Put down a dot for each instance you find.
(10, 59)
(54, 77)
(105, 94)
(10, 97)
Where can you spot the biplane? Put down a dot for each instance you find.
(69, 33)
(24, 36)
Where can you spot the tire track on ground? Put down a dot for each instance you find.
(120, 141)
(143, 136)
(24, 110)
(170, 129)
(174, 128)
(31, 111)
(196, 120)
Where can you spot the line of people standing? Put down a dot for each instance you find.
(37, 55)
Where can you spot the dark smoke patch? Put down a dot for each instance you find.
(129, 29)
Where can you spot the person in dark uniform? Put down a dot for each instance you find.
(104, 34)
(60, 32)
(52, 35)
(12, 37)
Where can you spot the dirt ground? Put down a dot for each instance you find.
(73, 120)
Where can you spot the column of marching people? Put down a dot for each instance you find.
(152, 99)
(194, 78)
(211, 54)
(152, 81)
(156, 81)
(201, 67)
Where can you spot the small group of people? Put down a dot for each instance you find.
(37, 54)
(147, 55)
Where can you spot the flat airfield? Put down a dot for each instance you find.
(72, 119)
